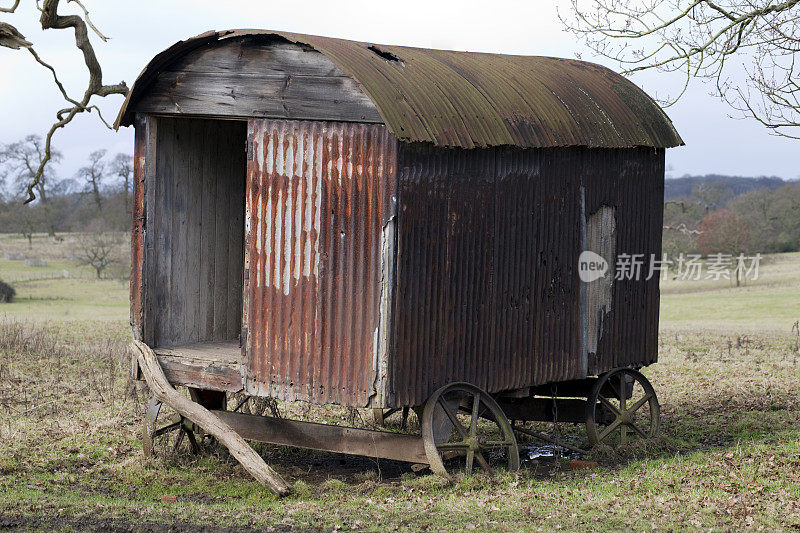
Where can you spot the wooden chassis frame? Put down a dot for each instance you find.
(327, 437)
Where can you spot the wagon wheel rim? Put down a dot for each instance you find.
(149, 426)
(610, 413)
(151, 431)
(441, 423)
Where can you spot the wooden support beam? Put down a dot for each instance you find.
(218, 376)
(211, 424)
(310, 435)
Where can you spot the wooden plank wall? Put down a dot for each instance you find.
(258, 78)
(197, 230)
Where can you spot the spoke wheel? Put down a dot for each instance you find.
(462, 424)
(151, 431)
(149, 427)
(622, 407)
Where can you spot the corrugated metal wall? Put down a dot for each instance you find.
(488, 244)
(633, 182)
(318, 197)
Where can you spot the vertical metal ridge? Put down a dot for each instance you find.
(316, 214)
(488, 244)
(325, 273)
(630, 329)
(292, 349)
(339, 287)
(355, 328)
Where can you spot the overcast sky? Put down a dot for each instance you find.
(715, 143)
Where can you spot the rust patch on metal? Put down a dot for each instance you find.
(315, 209)
(137, 228)
(488, 290)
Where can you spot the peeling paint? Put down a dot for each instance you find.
(601, 238)
(381, 344)
(317, 301)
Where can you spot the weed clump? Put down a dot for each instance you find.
(7, 292)
(29, 338)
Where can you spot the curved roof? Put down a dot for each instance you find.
(468, 99)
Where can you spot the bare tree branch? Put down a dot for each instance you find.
(95, 173)
(699, 38)
(10, 37)
(10, 9)
(20, 161)
(99, 250)
(88, 20)
(50, 19)
(55, 76)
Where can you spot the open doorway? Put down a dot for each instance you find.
(197, 207)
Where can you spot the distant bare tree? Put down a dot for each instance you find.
(21, 160)
(99, 250)
(94, 174)
(704, 38)
(724, 232)
(27, 221)
(10, 37)
(122, 166)
(712, 195)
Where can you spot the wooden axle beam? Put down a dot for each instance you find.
(324, 437)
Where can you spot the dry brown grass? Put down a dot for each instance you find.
(69, 453)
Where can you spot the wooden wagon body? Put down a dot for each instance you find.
(340, 222)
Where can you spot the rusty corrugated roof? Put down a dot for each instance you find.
(469, 99)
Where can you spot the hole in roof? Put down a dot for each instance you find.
(388, 56)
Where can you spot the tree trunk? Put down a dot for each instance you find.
(97, 198)
(51, 227)
(127, 192)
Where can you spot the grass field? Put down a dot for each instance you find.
(770, 303)
(61, 291)
(729, 459)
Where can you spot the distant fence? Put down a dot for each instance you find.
(43, 276)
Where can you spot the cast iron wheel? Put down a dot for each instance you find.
(461, 421)
(622, 406)
(150, 430)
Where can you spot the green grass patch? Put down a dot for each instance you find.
(728, 380)
(772, 302)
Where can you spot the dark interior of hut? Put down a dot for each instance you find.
(198, 212)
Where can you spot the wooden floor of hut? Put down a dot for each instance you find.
(204, 365)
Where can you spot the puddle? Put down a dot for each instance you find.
(546, 453)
